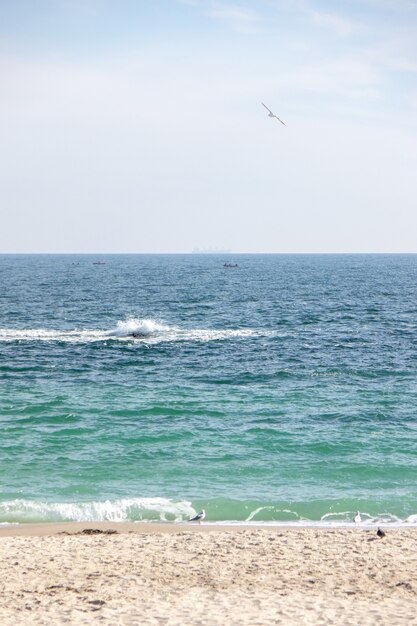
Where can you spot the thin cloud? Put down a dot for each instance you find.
(337, 24)
(346, 78)
(401, 65)
(413, 101)
(235, 16)
(78, 7)
(392, 4)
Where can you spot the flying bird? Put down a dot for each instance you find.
(357, 519)
(380, 533)
(199, 517)
(270, 114)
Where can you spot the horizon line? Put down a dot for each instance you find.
(204, 253)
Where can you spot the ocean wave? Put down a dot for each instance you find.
(50, 335)
(366, 518)
(146, 330)
(273, 514)
(160, 509)
(139, 328)
(122, 510)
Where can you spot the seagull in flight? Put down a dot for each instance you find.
(270, 114)
(199, 517)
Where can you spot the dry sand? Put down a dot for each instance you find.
(175, 574)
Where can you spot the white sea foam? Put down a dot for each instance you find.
(46, 334)
(306, 523)
(154, 331)
(343, 519)
(366, 519)
(258, 510)
(128, 509)
(167, 510)
(147, 329)
(140, 328)
(287, 512)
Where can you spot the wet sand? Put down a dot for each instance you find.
(206, 575)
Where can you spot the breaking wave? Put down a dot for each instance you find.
(123, 510)
(148, 330)
(140, 328)
(157, 509)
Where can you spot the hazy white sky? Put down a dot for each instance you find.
(137, 125)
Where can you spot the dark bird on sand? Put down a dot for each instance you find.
(380, 533)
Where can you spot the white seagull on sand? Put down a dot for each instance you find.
(270, 114)
(199, 517)
(357, 519)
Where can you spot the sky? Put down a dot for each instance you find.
(137, 126)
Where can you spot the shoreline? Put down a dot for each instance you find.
(42, 529)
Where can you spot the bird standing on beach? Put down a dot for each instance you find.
(270, 114)
(380, 533)
(199, 517)
(357, 519)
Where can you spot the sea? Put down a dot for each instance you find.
(145, 388)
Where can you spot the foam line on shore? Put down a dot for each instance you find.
(55, 528)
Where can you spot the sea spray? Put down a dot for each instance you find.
(129, 509)
(149, 329)
(139, 328)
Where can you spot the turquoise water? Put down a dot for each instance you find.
(283, 390)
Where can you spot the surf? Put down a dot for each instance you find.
(218, 511)
(150, 329)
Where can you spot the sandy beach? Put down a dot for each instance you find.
(171, 574)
